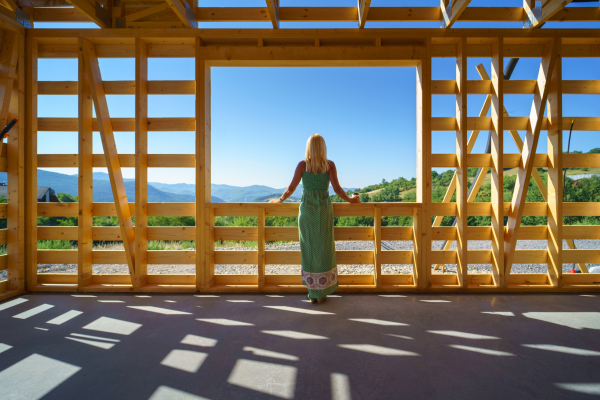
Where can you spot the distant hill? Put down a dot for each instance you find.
(264, 199)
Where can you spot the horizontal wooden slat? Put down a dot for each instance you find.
(581, 160)
(238, 233)
(119, 87)
(396, 257)
(109, 233)
(172, 233)
(236, 257)
(291, 209)
(283, 257)
(109, 257)
(512, 123)
(57, 233)
(397, 280)
(287, 233)
(172, 279)
(581, 232)
(581, 209)
(2, 210)
(479, 256)
(581, 279)
(485, 160)
(126, 160)
(396, 233)
(119, 124)
(443, 280)
(448, 87)
(580, 87)
(58, 209)
(3, 236)
(56, 278)
(528, 279)
(479, 233)
(443, 233)
(171, 257)
(57, 256)
(112, 279)
(3, 259)
(154, 209)
(231, 279)
(353, 233)
(581, 256)
(443, 256)
(530, 257)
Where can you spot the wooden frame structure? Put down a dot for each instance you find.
(277, 47)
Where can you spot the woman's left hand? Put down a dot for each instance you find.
(275, 201)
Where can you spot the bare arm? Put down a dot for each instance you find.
(336, 185)
(294, 184)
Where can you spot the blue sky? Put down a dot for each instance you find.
(261, 117)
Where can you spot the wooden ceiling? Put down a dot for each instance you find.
(187, 13)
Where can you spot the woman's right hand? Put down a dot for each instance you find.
(355, 199)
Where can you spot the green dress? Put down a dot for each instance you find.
(317, 245)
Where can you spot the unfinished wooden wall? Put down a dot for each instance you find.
(415, 49)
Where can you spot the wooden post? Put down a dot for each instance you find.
(261, 248)
(377, 243)
(497, 151)
(86, 178)
(555, 173)
(204, 215)
(111, 155)
(527, 157)
(141, 164)
(15, 177)
(423, 226)
(462, 176)
(31, 164)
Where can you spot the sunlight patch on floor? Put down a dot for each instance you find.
(273, 295)
(34, 377)
(33, 311)
(464, 335)
(101, 345)
(300, 310)
(585, 388)
(274, 379)
(12, 303)
(377, 322)
(505, 313)
(269, 353)
(200, 341)
(167, 393)
(240, 301)
(111, 301)
(563, 349)
(111, 325)
(4, 347)
(224, 321)
(83, 295)
(206, 295)
(575, 320)
(436, 301)
(379, 350)
(295, 335)
(95, 337)
(400, 336)
(61, 319)
(340, 387)
(391, 295)
(487, 352)
(184, 360)
(159, 310)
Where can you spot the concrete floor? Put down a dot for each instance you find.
(414, 346)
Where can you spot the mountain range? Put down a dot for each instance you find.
(158, 192)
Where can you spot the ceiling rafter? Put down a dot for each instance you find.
(363, 12)
(273, 7)
(451, 10)
(537, 13)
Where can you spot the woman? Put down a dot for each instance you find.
(315, 219)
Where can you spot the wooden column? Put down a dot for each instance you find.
(31, 164)
(141, 164)
(261, 248)
(377, 243)
(555, 173)
(86, 191)
(204, 215)
(422, 216)
(15, 178)
(527, 157)
(497, 152)
(462, 176)
(111, 155)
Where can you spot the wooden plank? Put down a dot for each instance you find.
(141, 163)
(581, 232)
(171, 233)
(91, 11)
(497, 156)
(581, 209)
(363, 12)
(108, 233)
(581, 160)
(451, 14)
(261, 248)
(171, 257)
(149, 12)
(31, 165)
(377, 246)
(119, 87)
(396, 233)
(110, 152)
(549, 9)
(273, 12)
(529, 149)
(395, 257)
(183, 11)
(57, 233)
(109, 257)
(462, 176)
(238, 257)
(119, 124)
(9, 54)
(581, 256)
(86, 178)
(57, 257)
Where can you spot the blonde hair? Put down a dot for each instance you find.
(316, 154)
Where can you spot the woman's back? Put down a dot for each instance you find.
(312, 181)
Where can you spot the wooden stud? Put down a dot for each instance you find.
(497, 152)
(85, 241)
(141, 163)
(377, 244)
(148, 12)
(184, 12)
(529, 149)
(110, 152)
(204, 216)
(555, 173)
(451, 11)
(261, 248)
(92, 11)
(422, 218)
(549, 9)
(9, 55)
(273, 12)
(462, 176)
(363, 12)
(31, 164)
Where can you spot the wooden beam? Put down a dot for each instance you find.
(86, 177)
(363, 12)
(273, 8)
(8, 66)
(555, 174)
(183, 11)
(94, 11)
(110, 152)
(261, 248)
(31, 164)
(451, 12)
(148, 12)
(141, 164)
(536, 15)
(377, 246)
(528, 155)
(462, 176)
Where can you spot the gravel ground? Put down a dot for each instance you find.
(343, 269)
